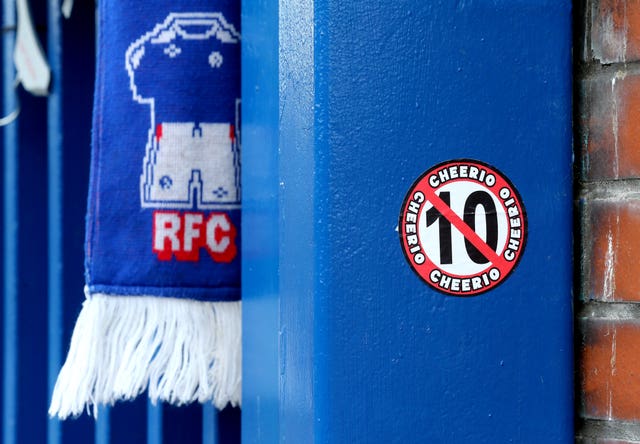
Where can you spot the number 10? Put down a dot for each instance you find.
(471, 204)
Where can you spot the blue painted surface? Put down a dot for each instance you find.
(395, 89)
(103, 426)
(78, 53)
(55, 191)
(209, 424)
(260, 195)
(31, 241)
(154, 423)
(10, 232)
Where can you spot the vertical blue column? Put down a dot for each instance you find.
(363, 99)
(154, 423)
(260, 200)
(300, 281)
(10, 195)
(103, 426)
(209, 424)
(54, 207)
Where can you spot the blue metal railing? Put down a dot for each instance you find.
(10, 218)
(54, 214)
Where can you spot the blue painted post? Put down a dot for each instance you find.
(346, 104)
(260, 363)
(209, 424)
(154, 423)
(102, 433)
(55, 210)
(10, 219)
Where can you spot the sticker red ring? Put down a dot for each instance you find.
(463, 227)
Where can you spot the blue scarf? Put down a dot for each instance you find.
(162, 310)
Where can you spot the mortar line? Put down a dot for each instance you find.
(596, 428)
(614, 311)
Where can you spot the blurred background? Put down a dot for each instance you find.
(45, 165)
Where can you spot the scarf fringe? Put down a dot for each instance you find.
(180, 350)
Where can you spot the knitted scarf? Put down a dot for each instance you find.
(162, 310)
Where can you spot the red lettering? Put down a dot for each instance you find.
(166, 226)
(182, 235)
(221, 235)
(191, 234)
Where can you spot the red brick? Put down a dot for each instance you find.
(613, 249)
(610, 369)
(610, 133)
(615, 30)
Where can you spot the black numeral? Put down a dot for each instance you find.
(481, 198)
(445, 229)
(470, 206)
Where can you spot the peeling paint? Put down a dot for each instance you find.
(614, 127)
(625, 33)
(610, 403)
(610, 38)
(613, 352)
(609, 389)
(615, 106)
(608, 289)
(611, 42)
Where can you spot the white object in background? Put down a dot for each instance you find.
(67, 5)
(31, 66)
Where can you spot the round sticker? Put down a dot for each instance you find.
(463, 227)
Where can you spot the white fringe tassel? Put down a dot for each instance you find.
(180, 350)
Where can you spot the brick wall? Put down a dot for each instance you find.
(607, 99)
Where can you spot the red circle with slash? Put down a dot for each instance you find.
(463, 227)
